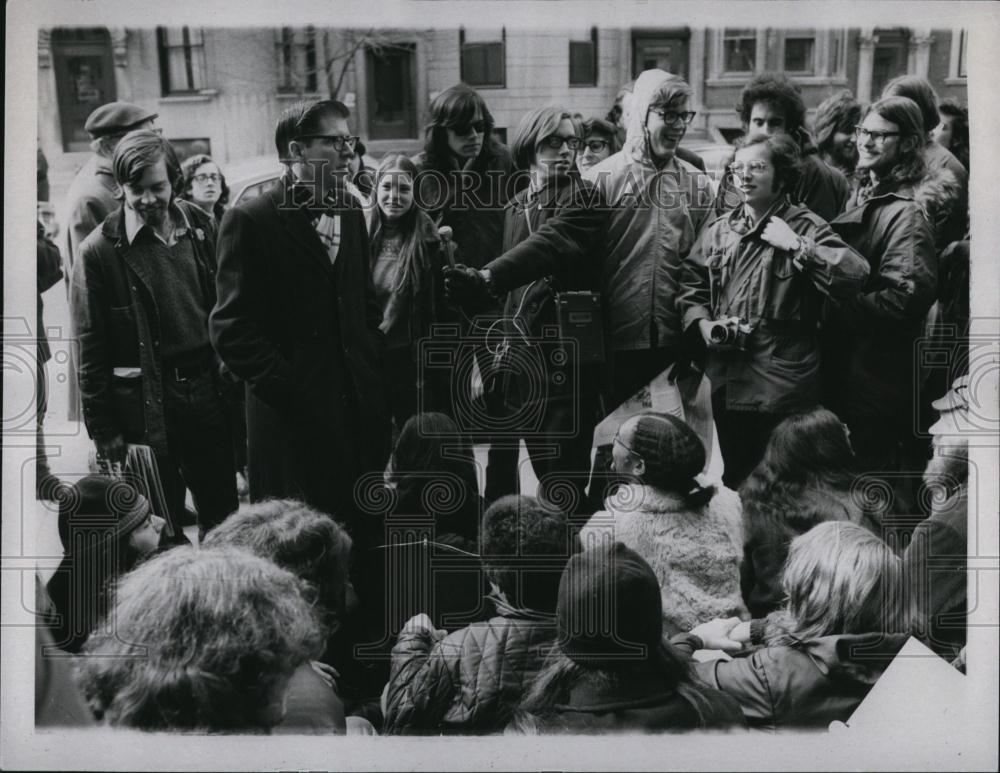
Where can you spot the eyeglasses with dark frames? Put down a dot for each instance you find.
(465, 129)
(596, 145)
(860, 132)
(337, 140)
(673, 118)
(205, 177)
(555, 142)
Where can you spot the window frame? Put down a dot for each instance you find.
(959, 46)
(463, 75)
(801, 34)
(725, 73)
(194, 57)
(293, 60)
(593, 57)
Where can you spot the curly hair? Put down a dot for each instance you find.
(202, 640)
(525, 547)
(839, 579)
(190, 167)
(785, 158)
(308, 543)
(777, 91)
(840, 112)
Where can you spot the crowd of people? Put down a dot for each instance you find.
(332, 350)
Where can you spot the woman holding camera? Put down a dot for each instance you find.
(752, 287)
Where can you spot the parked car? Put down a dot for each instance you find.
(249, 178)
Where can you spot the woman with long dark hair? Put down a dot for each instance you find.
(404, 250)
(466, 179)
(806, 477)
(106, 528)
(611, 671)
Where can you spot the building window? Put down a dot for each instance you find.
(483, 61)
(739, 51)
(297, 70)
(963, 54)
(800, 52)
(182, 59)
(583, 60)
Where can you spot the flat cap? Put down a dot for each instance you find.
(116, 117)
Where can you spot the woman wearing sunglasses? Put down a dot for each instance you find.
(752, 287)
(600, 140)
(553, 231)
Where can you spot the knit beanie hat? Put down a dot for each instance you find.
(673, 452)
(609, 611)
(97, 502)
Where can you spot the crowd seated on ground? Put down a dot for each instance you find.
(362, 594)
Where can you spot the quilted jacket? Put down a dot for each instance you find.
(472, 680)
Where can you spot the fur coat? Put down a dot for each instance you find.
(695, 553)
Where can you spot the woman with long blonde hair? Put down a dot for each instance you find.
(841, 625)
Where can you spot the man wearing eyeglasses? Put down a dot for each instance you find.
(870, 340)
(657, 204)
(297, 320)
(769, 105)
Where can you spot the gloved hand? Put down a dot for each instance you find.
(465, 286)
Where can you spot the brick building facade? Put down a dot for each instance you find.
(219, 90)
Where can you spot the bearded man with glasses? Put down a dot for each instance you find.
(869, 346)
(297, 320)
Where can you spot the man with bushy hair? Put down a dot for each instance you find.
(470, 681)
(769, 105)
(316, 549)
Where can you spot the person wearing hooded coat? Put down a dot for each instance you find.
(657, 204)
